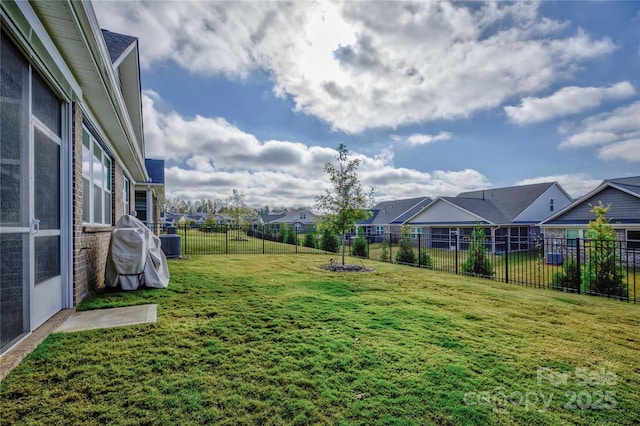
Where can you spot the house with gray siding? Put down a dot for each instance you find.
(621, 195)
(388, 216)
(512, 212)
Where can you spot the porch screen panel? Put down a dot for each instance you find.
(12, 280)
(47, 181)
(46, 105)
(14, 86)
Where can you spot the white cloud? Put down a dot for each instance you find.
(422, 139)
(209, 157)
(576, 185)
(566, 101)
(616, 132)
(362, 65)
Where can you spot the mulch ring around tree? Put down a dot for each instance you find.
(338, 267)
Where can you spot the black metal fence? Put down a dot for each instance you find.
(603, 268)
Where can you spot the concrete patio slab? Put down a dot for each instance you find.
(109, 318)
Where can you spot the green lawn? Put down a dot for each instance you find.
(277, 340)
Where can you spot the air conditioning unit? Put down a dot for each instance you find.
(170, 245)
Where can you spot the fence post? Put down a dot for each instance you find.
(369, 247)
(457, 249)
(419, 248)
(578, 273)
(506, 259)
(390, 248)
(263, 235)
(226, 239)
(185, 239)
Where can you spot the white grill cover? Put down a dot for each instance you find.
(135, 257)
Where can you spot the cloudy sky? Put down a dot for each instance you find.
(435, 98)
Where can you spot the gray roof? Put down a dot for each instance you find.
(485, 209)
(155, 170)
(510, 202)
(632, 181)
(388, 212)
(117, 43)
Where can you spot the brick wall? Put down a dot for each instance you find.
(90, 243)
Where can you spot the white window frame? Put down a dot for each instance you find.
(633, 243)
(126, 195)
(97, 154)
(416, 231)
(379, 230)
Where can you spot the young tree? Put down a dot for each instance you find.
(405, 251)
(478, 263)
(602, 272)
(238, 211)
(346, 202)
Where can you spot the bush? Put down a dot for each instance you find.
(292, 237)
(384, 256)
(569, 278)
(405, 250)
(425, 260)
(602, 273)
(330, 242)
(477, 263)
(359, 247)
(310, 240)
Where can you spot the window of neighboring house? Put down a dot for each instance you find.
(303, 216)
(379, 230)
(126, 196)
(416, 232)
(298, 226)
(141, 205)
(572, 236)
(551, 204)
(96, 182)
(633, 240)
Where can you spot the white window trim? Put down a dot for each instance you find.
(126, 195)
(93, 146)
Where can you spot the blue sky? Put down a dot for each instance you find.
(435, 98)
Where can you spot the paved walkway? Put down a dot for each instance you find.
(69, 320)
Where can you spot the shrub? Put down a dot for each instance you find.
(603, 273)
(292, 237)
(477, 262)
(569, 278)
(330, 242)
(359, 247)
(282, 233)
(405, 250)
(425, 260)
(384, 256)
(310, 240)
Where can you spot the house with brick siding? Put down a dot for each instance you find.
(72, 156)
(621, 195)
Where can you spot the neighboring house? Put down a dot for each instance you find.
(513, 211)
(71, 154)
(301, 220)
(388, 216)
(623, 198)
(149, 195)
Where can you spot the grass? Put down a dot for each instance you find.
(277, 340)
(195, 241)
